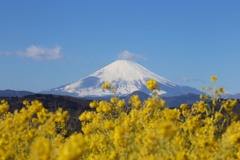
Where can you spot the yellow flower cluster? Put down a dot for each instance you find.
(229, 104)
(93, 104)
(135, 101)
(107, 85)
(121, 103)
(152, 84)
(32, 132)
(4, 106)
(118, 131)
(213, 78)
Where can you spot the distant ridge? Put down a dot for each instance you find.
(12, 93)
(142, 96)
(231, 96)
(127, 76)
(171, 102)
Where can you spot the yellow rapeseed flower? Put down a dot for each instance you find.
(150, 102)
(121, 103)
(40, 149)
(110, 132)
(106, 85)
(221, 90)
(152, 84)
(106, 107)
(137, 104)
(114, 100)
(213, 78)
(167, 129)
(218, 115)
(74, 147)
(201, 107)
(82, 117)
(4, 107)
(183, 107)
(93, 104)
(135, 101)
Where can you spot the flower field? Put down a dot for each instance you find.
(125, 130)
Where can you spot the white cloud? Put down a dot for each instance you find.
(130, 56)
(40, 53)
(5, 53)
(186, 79)
(190, 79)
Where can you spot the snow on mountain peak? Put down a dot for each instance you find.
(126, 75)
(127, 70)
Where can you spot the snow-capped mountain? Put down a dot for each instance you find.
(127, 76)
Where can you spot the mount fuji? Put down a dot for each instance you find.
(127, 76)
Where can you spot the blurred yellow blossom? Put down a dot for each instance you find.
(213, 78)
(207, 129)
(152, 84)
(106, 85)
(121, 103)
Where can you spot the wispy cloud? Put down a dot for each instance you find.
(5, 53)
(190, 79)
(130, 56)
(41, 53)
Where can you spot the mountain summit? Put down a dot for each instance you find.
(127, 76)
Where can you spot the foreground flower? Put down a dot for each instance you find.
(221, 90)
(106, 85)
(213, 78)
(93, 104)
(116, 131)
(121, 103)
(152, 84)
(4, 106)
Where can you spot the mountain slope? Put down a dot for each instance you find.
(231, 96)
(12, 93)
(127, 76)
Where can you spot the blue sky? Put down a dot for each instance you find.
(46, 44)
